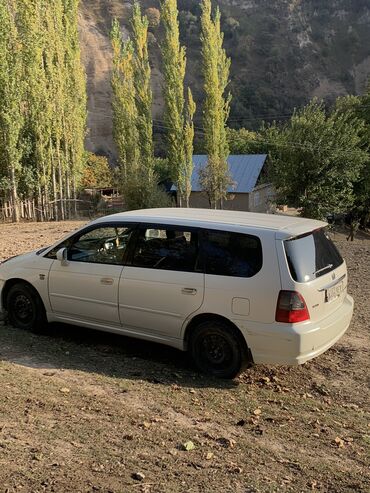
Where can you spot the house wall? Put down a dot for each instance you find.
(240, 201)
(262, 198)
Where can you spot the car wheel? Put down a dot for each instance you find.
(25, 308)
(217, 349)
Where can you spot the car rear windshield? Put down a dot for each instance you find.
(311, 255)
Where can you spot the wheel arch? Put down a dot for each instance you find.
(207, 317)
(12, 282)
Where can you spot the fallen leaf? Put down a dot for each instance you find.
(189, 445)
(209, 456)
(64, 390)
(339, 442)
(257, 412)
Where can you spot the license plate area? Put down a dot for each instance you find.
(334, 292)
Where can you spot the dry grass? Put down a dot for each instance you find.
(84, 411)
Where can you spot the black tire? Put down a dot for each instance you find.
(218, 350)
(25, 309)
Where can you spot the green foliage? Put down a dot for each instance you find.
(162, 169)
(12, 87)
(215, 178)
(243, 141)
(316, 158)
(125, 113)
(132, 118)
(187, 169)
(43, 101)
(358, 107)
(143, 89)
(174, 64)
(138, 194)
(179, 120)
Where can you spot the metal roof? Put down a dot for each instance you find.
(244, 170)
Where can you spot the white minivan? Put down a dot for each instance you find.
(233, 288)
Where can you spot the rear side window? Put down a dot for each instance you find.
(231, 254)
(166, 249)
(311, 255)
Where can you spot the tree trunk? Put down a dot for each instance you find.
(39, 204)
(55, 197)
(68, 195)
(14, 197)
(74, 195)
(60, 180)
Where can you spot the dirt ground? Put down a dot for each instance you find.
(82, 411)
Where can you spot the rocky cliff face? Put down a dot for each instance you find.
(283, 53)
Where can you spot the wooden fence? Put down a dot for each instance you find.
(27, 210)
(74, 208)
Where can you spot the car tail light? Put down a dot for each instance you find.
(291, 308)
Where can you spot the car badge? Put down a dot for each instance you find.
(333, 276)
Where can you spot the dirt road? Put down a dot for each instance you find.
(82, 411)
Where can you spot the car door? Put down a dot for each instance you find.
(164, 283)
(85, 287)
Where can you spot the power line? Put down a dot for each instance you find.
(341, 152)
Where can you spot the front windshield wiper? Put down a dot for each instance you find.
(329, 266)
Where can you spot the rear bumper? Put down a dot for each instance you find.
(294, 344)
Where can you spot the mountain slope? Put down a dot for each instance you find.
(283, 53)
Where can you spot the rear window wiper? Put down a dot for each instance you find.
(329, 266)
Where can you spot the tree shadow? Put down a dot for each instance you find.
(75, 348)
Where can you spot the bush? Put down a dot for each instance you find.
(97, 172)
(140, 193)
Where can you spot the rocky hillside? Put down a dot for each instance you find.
(283, 53)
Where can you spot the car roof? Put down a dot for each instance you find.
(284, 226)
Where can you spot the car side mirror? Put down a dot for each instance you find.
(62, 256)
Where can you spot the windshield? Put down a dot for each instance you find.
(311, 255)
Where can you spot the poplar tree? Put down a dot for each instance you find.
(180, 130)
(42, 103)
(215, 177)
(56, 93)
(187, 169)
(132, 120)
(38, 103)
(125, 115)
(143, 90)
(76, 100)
(12, 86)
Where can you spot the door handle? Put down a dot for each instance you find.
(189, 291)
(107, 281)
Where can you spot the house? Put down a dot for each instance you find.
(249, 191)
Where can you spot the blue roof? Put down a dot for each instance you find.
(244, 170)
